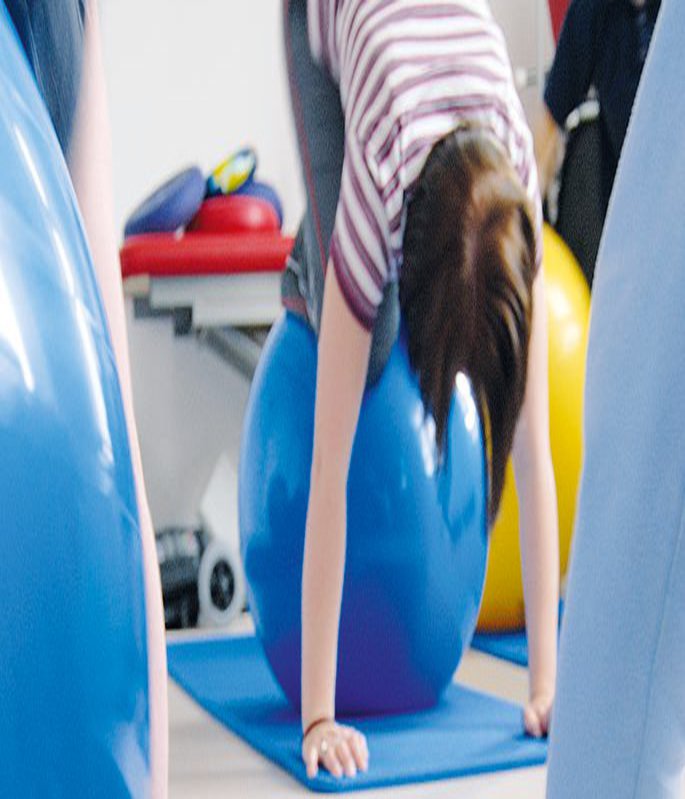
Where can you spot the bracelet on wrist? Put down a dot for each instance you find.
(314, 724)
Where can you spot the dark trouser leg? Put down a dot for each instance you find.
(52, 35)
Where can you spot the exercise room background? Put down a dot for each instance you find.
(212, 78)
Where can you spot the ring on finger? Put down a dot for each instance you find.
(323, 748)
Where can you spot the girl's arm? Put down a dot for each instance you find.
(538, 524)
(343, 360)
(89, 161)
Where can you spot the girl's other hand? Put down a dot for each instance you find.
(537, 715)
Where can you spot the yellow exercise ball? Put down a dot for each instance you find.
(568, 311)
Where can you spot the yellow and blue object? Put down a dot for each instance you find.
(232, 173)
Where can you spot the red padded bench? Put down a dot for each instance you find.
(225, 279)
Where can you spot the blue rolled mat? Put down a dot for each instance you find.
(467, 733)
(170, 206)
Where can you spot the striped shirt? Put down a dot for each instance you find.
(409, 71)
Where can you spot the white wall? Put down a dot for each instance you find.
(189, 81)
(519, 19)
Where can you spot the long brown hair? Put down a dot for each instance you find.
(466, 286)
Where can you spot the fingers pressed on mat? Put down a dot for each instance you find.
(531, 722)
(359, 750)
(332, 763)
(312, 762)
(346, 758)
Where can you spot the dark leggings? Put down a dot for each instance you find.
(51, 32)
(320, 123)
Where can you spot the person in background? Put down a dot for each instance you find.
(62, 44)
(602, 49)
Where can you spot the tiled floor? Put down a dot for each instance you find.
(207, 762)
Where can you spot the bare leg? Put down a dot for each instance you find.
(91, 171)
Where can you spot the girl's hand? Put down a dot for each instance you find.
(341, 750)
(537, 714)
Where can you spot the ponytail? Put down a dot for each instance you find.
(466, 287)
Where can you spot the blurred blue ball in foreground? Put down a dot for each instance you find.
(74, 717)
(417, 540)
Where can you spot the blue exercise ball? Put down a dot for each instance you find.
(74, 710)
(417, 537)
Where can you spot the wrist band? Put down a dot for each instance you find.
(312, 725)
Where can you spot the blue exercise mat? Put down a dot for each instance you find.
(512, 646)
(467, 733)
